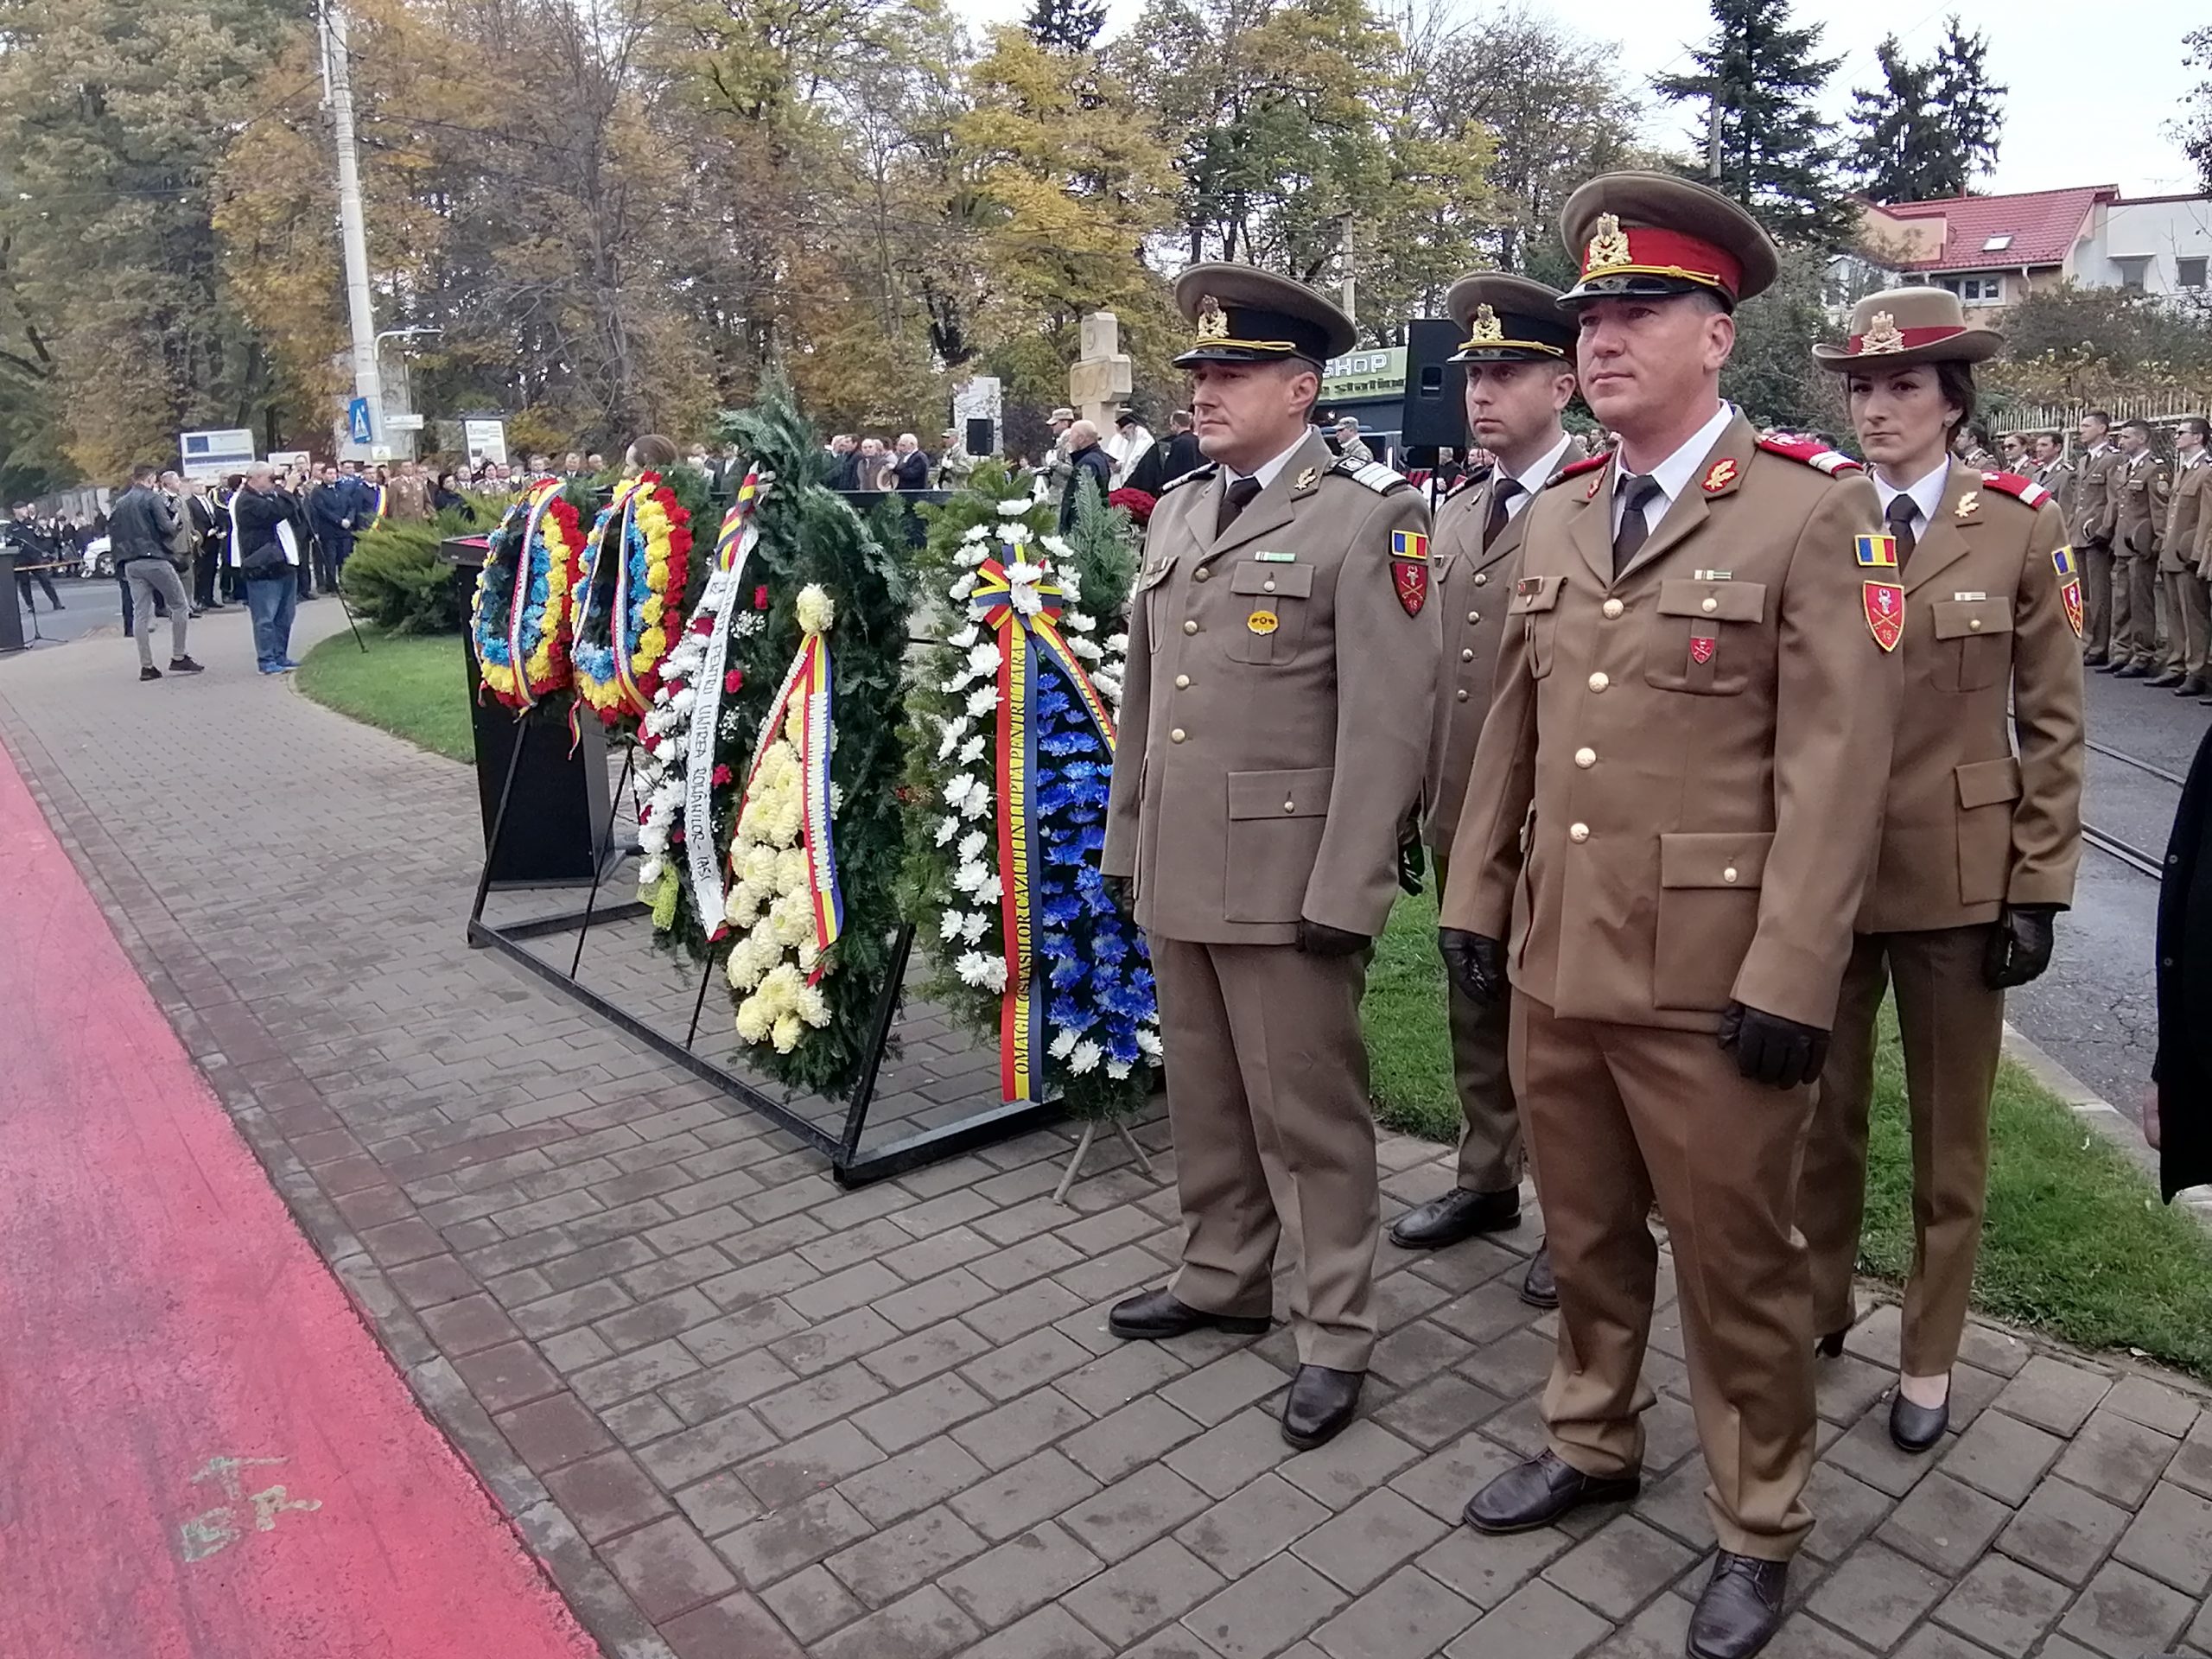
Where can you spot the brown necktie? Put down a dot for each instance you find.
(1501, 497)
(1899, 514)
(1234, 500)
(1636, 489)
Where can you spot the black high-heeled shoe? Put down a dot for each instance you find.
(1829, 1346)
(1918, 1428)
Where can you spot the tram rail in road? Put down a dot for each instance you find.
(2134, 857)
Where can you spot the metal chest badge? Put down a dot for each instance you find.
(1884, 605)
(1409, 568)
(1702, 647)
(1262, 622)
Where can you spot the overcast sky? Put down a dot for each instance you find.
(2088, 89)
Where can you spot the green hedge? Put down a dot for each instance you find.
(394, 575)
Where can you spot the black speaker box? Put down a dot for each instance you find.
(1435, 411)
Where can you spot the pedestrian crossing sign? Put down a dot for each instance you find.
(1878, 552)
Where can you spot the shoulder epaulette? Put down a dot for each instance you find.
(2012, 484)
(1372, 474)
(1575, 468)
(1206, 471)
(1834, 462)
(1465, 482)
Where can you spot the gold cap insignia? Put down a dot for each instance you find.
(1882, 335)
(1213, 322)
(1608, 244)
(1487, 330)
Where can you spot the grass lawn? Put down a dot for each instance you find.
(413, 685)
(2075, 1244)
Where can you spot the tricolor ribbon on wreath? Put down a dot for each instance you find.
(543, 494)
(733, 545)
(803, 702)
(1022, 608)
(613, 529)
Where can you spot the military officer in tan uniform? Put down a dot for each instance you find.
(1674, 808)
(1519, 353)
(2139, 489)
(2054, 474)
(2094, 480)
(1274, 735)
(2189, 521)
(1981, 828)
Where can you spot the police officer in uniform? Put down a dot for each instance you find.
(1519, 353)
(1981, 831)
(1274, 736)
(1674, 805)
(2139, 489)
(2094, 485)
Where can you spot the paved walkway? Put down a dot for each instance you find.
(745, 1416)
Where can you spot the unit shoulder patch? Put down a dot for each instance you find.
(1819, 457)
(1197, 475)
(1371, 473)
(1576, 469)
(2026, 489)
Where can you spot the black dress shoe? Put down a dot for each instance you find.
(1539, 1491)
(2170, 677)
(1458, 1214)
(2191, 687)
(1916, 1428)
(2094, 659)
(1537, 1288)
(1156, 1314)
(1742, 1604)
(1828, 1346)
(1321, 1402)
(2131, 671)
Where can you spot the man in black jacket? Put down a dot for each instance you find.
(2178, 1118)
(265, 551)
(140, 527)
(330, 516)
(34, 547)
(1087, 463)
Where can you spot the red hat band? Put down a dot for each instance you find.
(1647, 251)
(1899, 340)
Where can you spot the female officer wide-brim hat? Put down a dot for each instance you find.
(1901, 327)
(1244, 314)
(1654, 234)
(1508, 319)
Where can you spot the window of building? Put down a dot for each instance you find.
(1996, 244)
(2190, 273)
(1976, 290)
(2132, 270)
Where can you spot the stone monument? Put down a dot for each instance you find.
(1099, 383)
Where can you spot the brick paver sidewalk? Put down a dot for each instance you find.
(743, 1415)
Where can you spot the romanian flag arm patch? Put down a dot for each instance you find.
(1876, 552)
(1409, 568)
(2061, 560)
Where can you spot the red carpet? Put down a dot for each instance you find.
(203, 1451)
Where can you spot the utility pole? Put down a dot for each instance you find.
(353, 231)
(1712, 135)
(1344, 284)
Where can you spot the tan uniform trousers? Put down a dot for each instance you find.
(2188, 647)
(1619, 1115)
(1952, 1026)
(1267, 1095)
(2135, 610)
(2098, 571)
(1491, 1158)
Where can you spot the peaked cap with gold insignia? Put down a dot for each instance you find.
(1244, 314)
(1652, 233)
(1509, 320)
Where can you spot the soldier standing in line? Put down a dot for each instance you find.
(1978, 843)
(2138, 512)
(2053, 473)
(1674, 805)
(1520, 365)
(1274, 736)
(2094, 487)
(2189, 523)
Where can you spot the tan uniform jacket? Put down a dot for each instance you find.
(2094, 493)
(1969, 825)
(2139, 489)
(1275, 712)
(1472, 589)
(408, 499)
(2058, 479)
(1697, 749)
(2188, 539)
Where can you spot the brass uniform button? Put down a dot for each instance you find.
(1182, 681)
(1729, 875)
(1290, 806)
(1585, 758)
(1598, 681)
(1482, 578)
(1191, 627)
(1177, 735)
(1612, 608)
(1203, 572)
(1474, 616)
(1974, 624)
(1466, 656)
(1462, 694)
(1578, 833)
(1268, 586)
(1710, 604)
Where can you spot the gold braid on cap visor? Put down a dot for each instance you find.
(1487, 343)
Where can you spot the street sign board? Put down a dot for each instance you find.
(214, 452)
(357, 421)
(485, 439)
(402, 422)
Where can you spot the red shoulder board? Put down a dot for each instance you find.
(1574, 469)
(1831, 462)
(2012, 484)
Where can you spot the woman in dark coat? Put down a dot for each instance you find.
(2179, 1119)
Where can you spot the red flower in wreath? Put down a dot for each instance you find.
(760, 597)
(734, 680)
(722, 775)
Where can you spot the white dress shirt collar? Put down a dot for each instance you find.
(1927, 493)
(1269, 470)
(1537, 476)
(1673, 475)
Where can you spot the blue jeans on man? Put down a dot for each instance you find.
(271, 599)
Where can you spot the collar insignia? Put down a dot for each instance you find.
(1308, 478)
(1968, 503)
(1608, 244)
(1213, 322)
(1882, 335)
(1718, 477)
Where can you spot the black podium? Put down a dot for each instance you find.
(559, 810)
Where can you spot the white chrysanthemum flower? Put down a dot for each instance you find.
(650, 873)
(974, 927)
(989, 973)
(1148, 1042)
(1022, 573)
(979, 803)
(1117, 643)
(971, 751)
(991, 892)
(653, 841)
(971, 845)
(661, 695)
(1109, 686)
(1058, 547)
(809, 953)
(969, 877)
(836, 799)
(1081, 621)
(958, 791)
(1083, 648)
(985, 658)
(946, 829)
(1117, 1069)
(966, 636)
(818, 613)
(1085, 1057)
(982, 699)
(1063, 1046)
(962, 588)
(977, 533)
(948, 924)
(1012, 509)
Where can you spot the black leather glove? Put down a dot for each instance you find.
(1320, 939)
(1474, 962)
(2019, 945)
(1118, 888)
(1778, 1053)
(1409, 863)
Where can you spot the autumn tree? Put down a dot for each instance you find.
(1932, 125)
(2193, 129)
